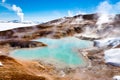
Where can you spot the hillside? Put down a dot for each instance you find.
(19, 70)
(90, 25)
(87, 27)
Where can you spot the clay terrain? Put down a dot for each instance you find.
(81, 26)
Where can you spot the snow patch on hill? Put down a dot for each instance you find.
(7, 26)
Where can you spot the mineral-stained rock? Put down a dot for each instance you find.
(20, 70)
(88, 38)
(63, 27)
(108, 42)
(22, 44)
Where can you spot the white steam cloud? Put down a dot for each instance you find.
(104, 7)
(14, 8)
(18, 11)
(73, 13)
(107, 12)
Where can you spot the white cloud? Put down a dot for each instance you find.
(16, 9)
(3, 1)
(8, 6)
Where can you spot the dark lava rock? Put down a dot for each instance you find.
(22, 44)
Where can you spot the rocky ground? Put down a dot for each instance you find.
(13, 69)
(21, 70)
(8, 45)
(98, 69)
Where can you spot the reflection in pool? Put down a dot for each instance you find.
(60, 51)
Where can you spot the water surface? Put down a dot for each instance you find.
(58, 51)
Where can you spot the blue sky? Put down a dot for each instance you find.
(44, 10)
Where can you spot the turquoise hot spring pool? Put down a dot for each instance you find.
(59, 51)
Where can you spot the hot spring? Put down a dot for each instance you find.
(59, 51)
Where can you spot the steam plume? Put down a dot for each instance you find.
(107, 12)
(14, 8)
(104, 7)
(70, 14)
(73, 13)
(18, 11)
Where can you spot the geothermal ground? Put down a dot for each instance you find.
(87, 27)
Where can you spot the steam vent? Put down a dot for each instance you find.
(60, 40)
